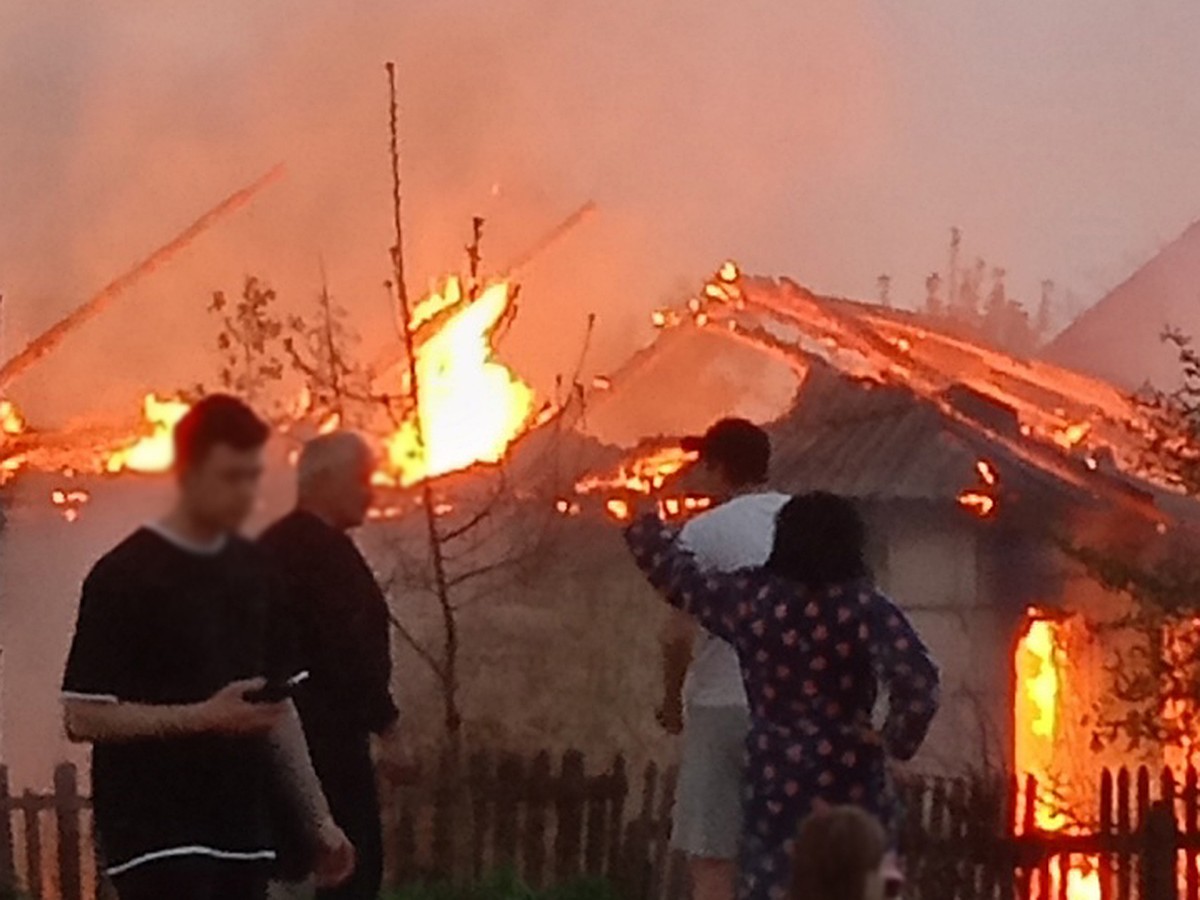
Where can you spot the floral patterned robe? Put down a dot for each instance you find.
(813, 663)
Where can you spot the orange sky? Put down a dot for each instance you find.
(829, 141)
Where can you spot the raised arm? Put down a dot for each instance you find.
(713, 599)
(907, 672)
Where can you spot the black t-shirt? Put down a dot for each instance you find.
(342, 630)
(163, 624)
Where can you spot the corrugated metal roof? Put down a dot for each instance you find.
(867, 441)
(879, 443)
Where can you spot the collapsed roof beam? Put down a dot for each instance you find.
(51, 338)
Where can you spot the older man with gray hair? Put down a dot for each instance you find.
(342, 625)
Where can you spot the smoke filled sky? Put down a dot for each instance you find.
(829, 141)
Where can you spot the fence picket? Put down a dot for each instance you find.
(33, 844)
(445, 816)
(1124, 826)
(595, 842)
(1007, 859)
(509, 784)
(1106, 829)
(1191, 821)
(539, 791)
(661, 836)
(8, 869)
(481, 778)
(618, 783)
(67, 808)
(568, 842)
(1160, 837)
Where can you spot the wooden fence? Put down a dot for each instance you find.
(549, 821)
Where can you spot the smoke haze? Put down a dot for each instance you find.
(829, 141)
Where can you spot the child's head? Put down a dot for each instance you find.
(840, 855)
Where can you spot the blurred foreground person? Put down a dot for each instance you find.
(816, 641)
(178, 675)
(842, 854)
(703, 693)
(343, 626)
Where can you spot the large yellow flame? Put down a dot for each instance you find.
(1039, 664)
(155, 452)
(472, 407)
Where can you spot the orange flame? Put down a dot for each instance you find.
(1072, 435)
(11, 420)
(472, 406)
(618, 509)
(643, 475)
(156, 451)
(11, 424)
(1039, 663)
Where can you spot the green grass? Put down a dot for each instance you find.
(506, 886)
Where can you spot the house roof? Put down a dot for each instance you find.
(1120, 337)
(867, 441)
(890, 408)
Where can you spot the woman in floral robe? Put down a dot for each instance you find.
(816, 641)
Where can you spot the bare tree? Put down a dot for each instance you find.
(477, 532)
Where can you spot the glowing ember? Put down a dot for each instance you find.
(980, 500)
(618, 509)
(1039, 662)
(980, 504)
(1073, 435)
(155, 452)
(70, 502)
(472, 406)
(729, 271)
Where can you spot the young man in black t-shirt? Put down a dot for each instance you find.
(179, 626)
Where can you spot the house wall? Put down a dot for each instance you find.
(934, 561)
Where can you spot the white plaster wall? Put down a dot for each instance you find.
(932, 570)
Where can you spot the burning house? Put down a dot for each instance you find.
(980, 474)
(976, 471)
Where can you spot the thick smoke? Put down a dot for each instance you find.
(697, 128)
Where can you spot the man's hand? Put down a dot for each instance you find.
(670, 716)
(229, 712)
(335, 858)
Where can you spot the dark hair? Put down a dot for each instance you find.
(836, 850)
(820, 539)
(217, 419)
(738, 447)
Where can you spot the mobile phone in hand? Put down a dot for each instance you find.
(277, 691)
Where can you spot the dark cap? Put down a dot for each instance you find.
(739, 447)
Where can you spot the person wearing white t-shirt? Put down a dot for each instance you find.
(704, 698)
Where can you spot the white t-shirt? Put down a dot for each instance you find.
(735, 535)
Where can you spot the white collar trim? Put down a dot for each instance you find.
(210, 549)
